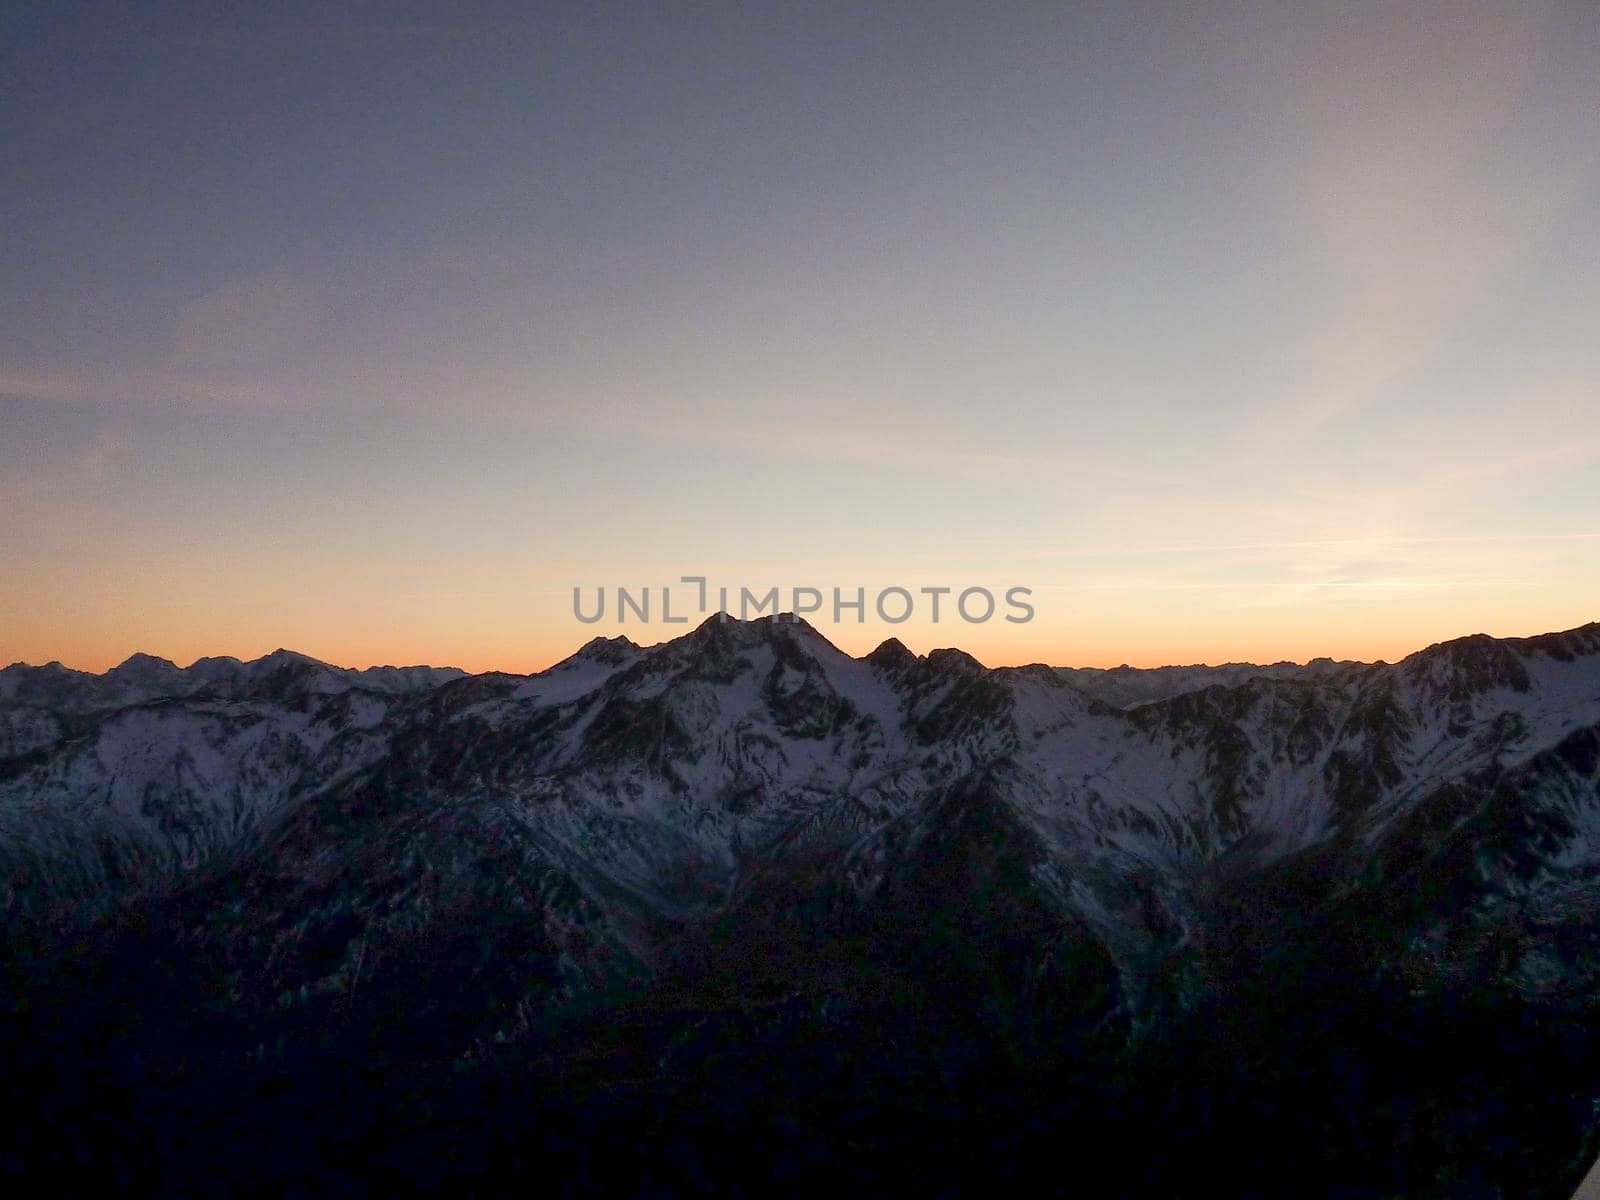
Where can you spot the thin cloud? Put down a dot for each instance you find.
(1306, 544)
(1413, 187)
(1144, 585)
(246, 326)
(109, 447)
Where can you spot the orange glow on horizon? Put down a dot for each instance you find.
(1252, 641)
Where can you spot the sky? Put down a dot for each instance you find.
(1234, 331)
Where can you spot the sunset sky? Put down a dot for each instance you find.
(1234, 331)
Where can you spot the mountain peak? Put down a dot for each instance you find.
(756, 629)
(714, 621)
(621, 641)
(282, 656)
(951, 659)
(608, 651)
(140, 661)
(892, 654)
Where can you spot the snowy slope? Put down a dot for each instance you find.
(649, 786)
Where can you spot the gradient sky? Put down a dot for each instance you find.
(1235, 331)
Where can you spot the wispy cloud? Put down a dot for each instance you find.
(50, 482)
(1304, 544)
(1416, 190)
(245, 327)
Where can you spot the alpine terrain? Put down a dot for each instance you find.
(740, 914)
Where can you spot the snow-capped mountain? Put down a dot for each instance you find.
(1092, 865)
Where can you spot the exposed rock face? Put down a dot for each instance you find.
(1233, 908)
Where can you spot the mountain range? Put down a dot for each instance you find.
(739, 913)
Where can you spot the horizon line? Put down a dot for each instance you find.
(786, 618)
